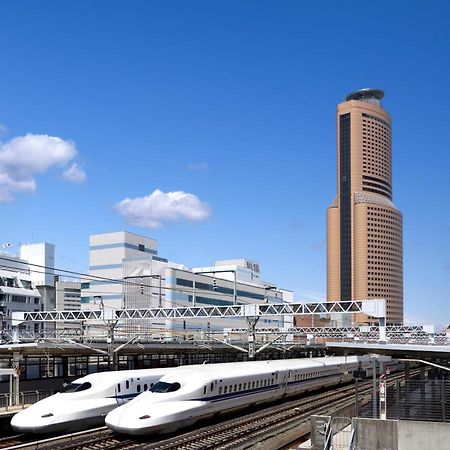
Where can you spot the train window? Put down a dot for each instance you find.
(253, 384)
(245, 386)
(212, 386)
(152, 384)
(240, 386)
(138, 388)
(235, 387)
(76, 387)
(204, 390)
(127, 384)
(145, 387)
(162, 387)
(220, 390)
(118, 387)
(226, 389)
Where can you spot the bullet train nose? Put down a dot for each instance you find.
(31, 420)
(126, 419)
(140, 419)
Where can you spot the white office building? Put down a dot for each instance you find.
(17, 293)
(41, 257)
(108, 253)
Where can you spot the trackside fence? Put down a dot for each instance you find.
(22, 399)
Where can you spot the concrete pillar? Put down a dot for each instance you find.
(16, 378)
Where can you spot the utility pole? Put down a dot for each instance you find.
(251, 321)
(374, 387)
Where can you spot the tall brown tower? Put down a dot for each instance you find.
(364, 228)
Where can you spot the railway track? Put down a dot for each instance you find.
(235, 433)
(11, 440)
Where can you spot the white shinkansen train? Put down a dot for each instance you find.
(85, 401)
(189, 394)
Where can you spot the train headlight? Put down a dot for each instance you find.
(145, 417)
(47, 415)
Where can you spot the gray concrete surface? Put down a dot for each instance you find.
(376, 434)
(423, 435)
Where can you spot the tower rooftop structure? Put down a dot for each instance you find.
(368, 95)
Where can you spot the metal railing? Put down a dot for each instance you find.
(22, 399)
(423, 400)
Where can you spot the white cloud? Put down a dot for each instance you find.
(75, 174)
(3, 130)
(153, 210)
(197, 167)
(24, 157)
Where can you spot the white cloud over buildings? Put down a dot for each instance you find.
(158, 208)
(24, 157)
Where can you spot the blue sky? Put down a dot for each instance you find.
(234, 103)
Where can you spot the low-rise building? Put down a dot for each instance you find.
(68, 298)
(17, 293)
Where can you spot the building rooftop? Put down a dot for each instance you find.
(366, 95)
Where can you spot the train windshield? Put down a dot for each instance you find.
(161, 387)
(75, 387)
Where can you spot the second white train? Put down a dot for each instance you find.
(190, 394)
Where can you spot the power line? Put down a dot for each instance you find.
(89, 277)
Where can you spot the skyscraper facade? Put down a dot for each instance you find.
(364, 228)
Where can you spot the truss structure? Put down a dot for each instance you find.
(328, 331)
(395, 334)
(374, 308)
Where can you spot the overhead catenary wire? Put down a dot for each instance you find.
(90, 277)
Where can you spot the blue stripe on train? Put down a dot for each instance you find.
(216, 398)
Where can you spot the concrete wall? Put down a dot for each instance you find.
(423, 435)
(401, 435)
(376, 434)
